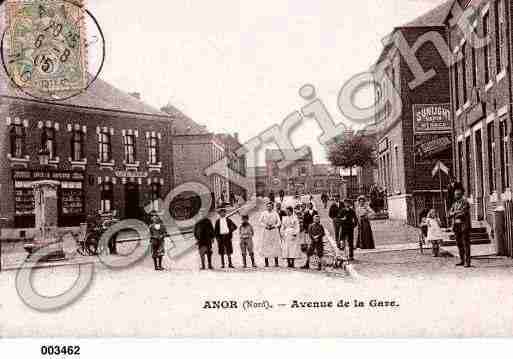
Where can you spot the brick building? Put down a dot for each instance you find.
(109, 151)
(409, 145)
(481, 86)
(300, 176)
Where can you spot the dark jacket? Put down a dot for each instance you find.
(316, 232)
(347, 217)
(308, 218)
(204, 232)
(333, 212)
(231, 227)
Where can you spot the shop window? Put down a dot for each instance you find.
(491, 157)
(77, 146)
(48, 142)
(17, 137)
(107, 197)
(153, 149)
(130, 153)
(104, 146)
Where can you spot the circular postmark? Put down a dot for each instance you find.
(51, 49)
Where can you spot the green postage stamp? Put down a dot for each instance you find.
(46, 55)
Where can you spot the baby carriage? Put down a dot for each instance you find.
(333, 256)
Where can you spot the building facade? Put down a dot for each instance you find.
(481, 85)
(110, 153)
(411, 141)
(300, 176)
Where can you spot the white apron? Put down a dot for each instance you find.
(271, 240)
(291, 240)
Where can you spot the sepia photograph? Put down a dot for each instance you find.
(240, 169)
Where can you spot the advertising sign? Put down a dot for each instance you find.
(428, 146)
(432, 118)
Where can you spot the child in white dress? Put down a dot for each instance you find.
(434, 235)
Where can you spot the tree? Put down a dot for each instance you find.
(352, 150)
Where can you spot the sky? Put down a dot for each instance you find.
(237, 65)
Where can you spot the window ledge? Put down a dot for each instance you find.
(136, 164)
(155, 166)
(16, 159)
(110, 164)
(501, 75)
(78, 163)
(489, 85)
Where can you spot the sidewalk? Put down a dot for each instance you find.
(14, 256)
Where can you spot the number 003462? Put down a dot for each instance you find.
(69, 350)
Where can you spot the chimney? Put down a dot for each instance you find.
(137, 95)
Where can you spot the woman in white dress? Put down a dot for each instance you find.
(290, 232)
(271, 239)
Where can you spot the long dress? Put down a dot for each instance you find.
(434, 233)
(271, 239)
(291, 241)
(365, 238)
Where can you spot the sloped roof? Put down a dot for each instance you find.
(279, 155)
(434, 17)
(100, 95)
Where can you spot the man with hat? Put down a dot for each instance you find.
(204, 234)
(224, 229)
(158, 234)
(333, 213)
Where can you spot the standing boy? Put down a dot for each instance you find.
(316, 233)
(224, 229)
(246, 233)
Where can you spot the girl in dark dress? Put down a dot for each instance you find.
(158, 234)
(365, 237)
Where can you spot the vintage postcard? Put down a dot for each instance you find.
(276, 168)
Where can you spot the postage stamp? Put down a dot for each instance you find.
(47, 49)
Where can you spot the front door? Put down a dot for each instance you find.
(480, 190)
(132, 209)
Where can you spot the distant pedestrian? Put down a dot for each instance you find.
(333, 214)
(158, 234)
(224, 229)
(291, 249)
(434, 235)
(316, 233)
(282, 195)
(460, 214)
(363, 212)
(348, 222)
(246, 234)
(280, 211)
(271, 196)
(204, 234)
(324, 199)
(271, 239)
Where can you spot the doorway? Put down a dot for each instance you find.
(480, 190)
(132, 209)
